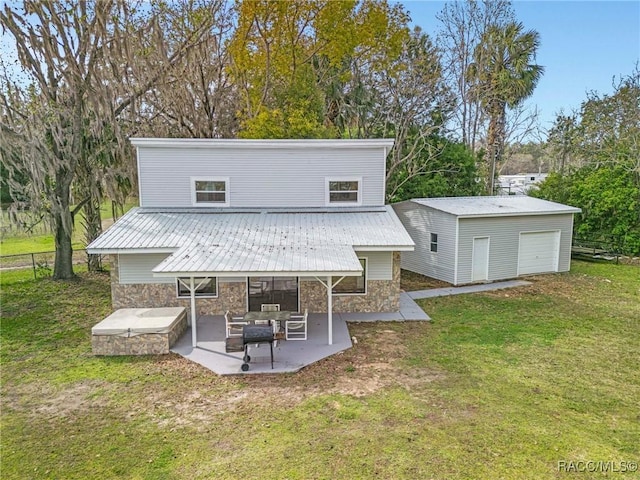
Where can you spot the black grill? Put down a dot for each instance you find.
(256, 334)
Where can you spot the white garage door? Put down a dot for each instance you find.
(539, 252)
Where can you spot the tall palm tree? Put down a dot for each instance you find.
(504, 75)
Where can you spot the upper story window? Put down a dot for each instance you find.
(210, 191)
(344, 191)
(434, 242)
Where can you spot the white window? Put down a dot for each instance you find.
(353, 285)
(205, 287)
(434, 242)
(210, 191)
(344, 191)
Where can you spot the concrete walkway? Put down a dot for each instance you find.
(409, 310)
(483, 287)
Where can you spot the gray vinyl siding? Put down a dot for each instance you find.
(379, 265)
(269, 177)
(504, 238)
(136, 268)
(420, 222)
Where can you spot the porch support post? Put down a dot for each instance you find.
(330, 309)
(192, 294)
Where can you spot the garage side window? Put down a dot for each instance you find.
(205, 287)
(434, 242)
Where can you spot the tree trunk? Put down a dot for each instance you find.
(63, 268)
(63, 228)
(495, 143)
(93, 225)
(490, 156)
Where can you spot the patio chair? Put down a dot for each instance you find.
(270, 307)
(296, 327)
(233, 325)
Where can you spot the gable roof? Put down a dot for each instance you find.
(507, 205)
(242, 242)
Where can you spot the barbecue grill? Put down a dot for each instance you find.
(256, 334)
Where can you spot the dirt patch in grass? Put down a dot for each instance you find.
(553, 285)
(374, 363)
(44, 400)
(411, 282)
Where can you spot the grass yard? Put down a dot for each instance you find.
(499, 385)
(18, 242)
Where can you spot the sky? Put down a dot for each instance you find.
(584, 44)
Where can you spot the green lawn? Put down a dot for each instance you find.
(499, 385)
(17, 243)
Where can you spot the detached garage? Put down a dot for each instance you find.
(481, 239)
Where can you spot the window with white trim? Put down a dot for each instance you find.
(210, 191)
(205, 287)
(434, 242)
(345, 190)
(353, 285)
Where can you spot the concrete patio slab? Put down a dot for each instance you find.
(288, 355)
(484, 287)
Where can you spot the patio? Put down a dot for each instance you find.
(288, 355)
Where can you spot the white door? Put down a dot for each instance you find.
(480, 259)
(538, 252)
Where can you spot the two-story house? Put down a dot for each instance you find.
(234, 224)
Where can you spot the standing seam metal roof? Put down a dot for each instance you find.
(255, 241)
(495, 206)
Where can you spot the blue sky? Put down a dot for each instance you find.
(584, 44)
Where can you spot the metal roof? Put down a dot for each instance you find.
(278, 242)
(260, 143)
(507, 205)
(276, 260)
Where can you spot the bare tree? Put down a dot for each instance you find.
(414, 103)
(522, 125)
(198, 98)
(407, 101)
(90, 64)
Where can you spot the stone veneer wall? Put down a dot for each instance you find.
(144, 344)
(382, 295)
(231, 296)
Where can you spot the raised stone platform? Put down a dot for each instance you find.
(139, 331)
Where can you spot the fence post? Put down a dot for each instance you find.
(33, 263)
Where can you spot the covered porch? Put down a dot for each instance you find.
(288, 356)
(195, 265)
